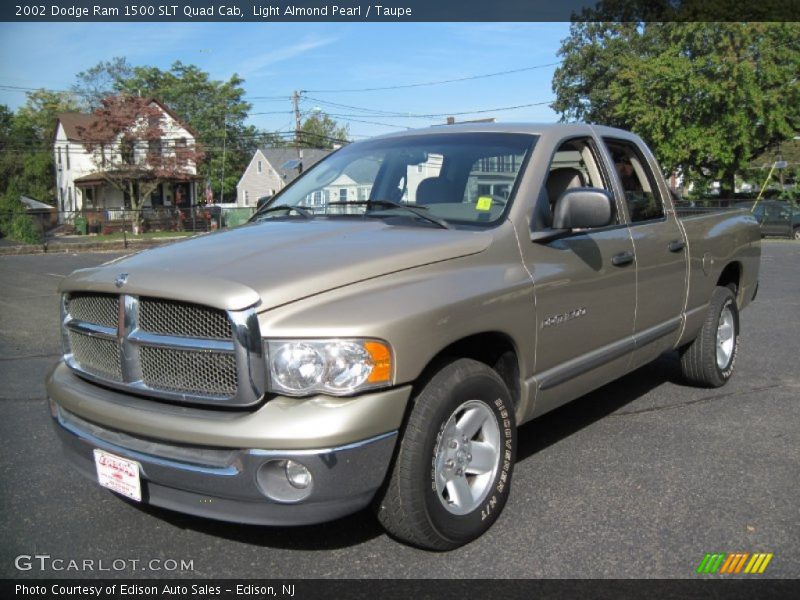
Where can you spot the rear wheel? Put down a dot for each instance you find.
(709, 360)
(796, 234)
(452, 473)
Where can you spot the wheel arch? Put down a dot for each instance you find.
(495, 349)
(731, 277)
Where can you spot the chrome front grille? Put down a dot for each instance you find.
(168, 317)
(201, 373)
(164, 348)
(96, 355)
(101, 309)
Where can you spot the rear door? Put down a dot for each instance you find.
(659, 245)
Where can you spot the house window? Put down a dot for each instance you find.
(343, 195)
(154, 148)
(259, 166)
(69, 198)
(66, 150)
(246, 198)
(59, 156)
(126, 151)
(103, 155)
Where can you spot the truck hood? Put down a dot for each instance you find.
(275, 262)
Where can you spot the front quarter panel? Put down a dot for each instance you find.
(421, 311)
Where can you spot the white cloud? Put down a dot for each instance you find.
(254, 65)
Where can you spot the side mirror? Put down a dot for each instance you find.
(262, 201)
(583, 208)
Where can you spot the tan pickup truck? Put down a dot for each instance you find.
(377, 332)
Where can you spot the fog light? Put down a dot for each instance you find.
(297, 475)
(284, 480)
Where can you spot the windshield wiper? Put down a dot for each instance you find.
(306, 214)
(417, 210)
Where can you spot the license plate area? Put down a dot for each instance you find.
(118, 474)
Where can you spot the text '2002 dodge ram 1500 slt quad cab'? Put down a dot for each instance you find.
(378, 331)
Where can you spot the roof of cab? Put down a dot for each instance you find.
(556, 129)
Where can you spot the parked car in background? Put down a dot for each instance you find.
(775, 217)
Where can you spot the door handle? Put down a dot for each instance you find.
(621, 259)
(676, 245)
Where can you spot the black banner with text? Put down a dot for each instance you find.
(399, 589)
(399, 10)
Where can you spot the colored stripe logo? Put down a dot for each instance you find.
(735, 562)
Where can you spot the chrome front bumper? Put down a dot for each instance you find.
(225, 484)
(227, 480)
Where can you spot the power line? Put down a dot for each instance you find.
(439, 82)
(374, 111)
(345, 118)
(456, 113)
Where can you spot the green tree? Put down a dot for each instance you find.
(15, 223)
(100, 81)
(40, 112)
(26, 138)
(321, 131)
(708, 97)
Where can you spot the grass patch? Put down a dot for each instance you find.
(117, 236)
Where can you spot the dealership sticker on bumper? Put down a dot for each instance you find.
(118, 474)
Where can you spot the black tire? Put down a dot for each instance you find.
(796, 234)
(699, 363)
(410, 507)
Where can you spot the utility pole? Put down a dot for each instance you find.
(224, 139)
(296, 103)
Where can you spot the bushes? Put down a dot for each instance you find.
(15, 223)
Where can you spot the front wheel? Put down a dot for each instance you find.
(796, 234)
(709, 360)
(451, 477)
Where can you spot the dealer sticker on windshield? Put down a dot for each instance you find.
(118, 474)
(484, 203)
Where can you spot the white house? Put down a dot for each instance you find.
(272, 169)
(81, 173)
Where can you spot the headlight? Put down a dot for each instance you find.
(337, 366)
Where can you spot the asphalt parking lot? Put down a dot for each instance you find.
(638, 479)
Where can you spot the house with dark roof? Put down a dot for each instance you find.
(272, 169)
(84, 168)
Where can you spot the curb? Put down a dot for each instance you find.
(55, 247)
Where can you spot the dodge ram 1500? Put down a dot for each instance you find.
(378, 331)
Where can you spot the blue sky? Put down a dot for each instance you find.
(277, 58)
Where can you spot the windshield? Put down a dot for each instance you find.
(451, 178)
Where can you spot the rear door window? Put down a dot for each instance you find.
(643, 201)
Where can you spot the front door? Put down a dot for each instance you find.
(585, 289)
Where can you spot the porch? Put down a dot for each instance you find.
(171, 206)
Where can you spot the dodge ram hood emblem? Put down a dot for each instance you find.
(121, 280)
